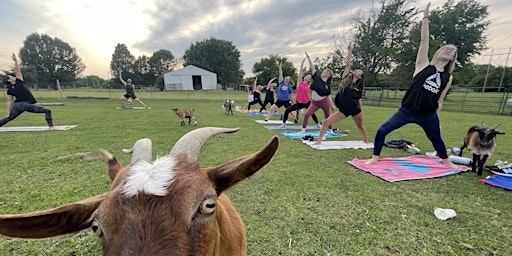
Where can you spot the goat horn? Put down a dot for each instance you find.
(496, 126)
(142, 150)
(191, 143)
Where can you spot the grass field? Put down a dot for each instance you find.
(304, 202)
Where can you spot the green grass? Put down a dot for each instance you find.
(304, 202)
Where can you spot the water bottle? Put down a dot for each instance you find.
(460, 160)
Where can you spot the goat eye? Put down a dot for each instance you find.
(208, 206)
(96, 228)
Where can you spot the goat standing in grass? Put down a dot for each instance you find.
(481, 141)
(169, 206)
(228, 107)
(185, 113)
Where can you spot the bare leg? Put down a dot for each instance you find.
(271, 111)
(122, 100)
(140, 101)
(358, 120)
(334, 118)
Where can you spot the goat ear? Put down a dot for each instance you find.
(226, 175)
(59, 221)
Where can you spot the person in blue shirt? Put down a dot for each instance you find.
(284, 93)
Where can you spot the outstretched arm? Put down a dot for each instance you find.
(311, 66)
(270, 82)
(422, 57)
(349, 62)
(281, 78)
(255, 83)
(121, 78)
(300, 71)
(17, 68)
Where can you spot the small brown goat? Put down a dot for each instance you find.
(481, 141)
(185, 113)
(169, 206)
(228, 107)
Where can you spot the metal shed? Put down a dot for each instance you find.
(190, 78)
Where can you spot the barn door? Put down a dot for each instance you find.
(196, 83)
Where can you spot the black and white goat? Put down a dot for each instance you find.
(481, 141)
(228, 107)
(185, 113)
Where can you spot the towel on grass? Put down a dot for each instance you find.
(339, 144)
(295, 135)
(290, 127)
(132, 108)
(272, 122)
(502, 181)
(35, 128)
(407, 168)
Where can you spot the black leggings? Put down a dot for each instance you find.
(257, 100)
(267, 101)
(298, 106)
(18, 108)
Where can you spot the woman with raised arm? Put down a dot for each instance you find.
(302, 99)
(423, 100)
(348, 100)
(284, 93)
(320, 94)
(269, 94)
(256, 93)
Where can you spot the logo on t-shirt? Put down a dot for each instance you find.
(433, 83)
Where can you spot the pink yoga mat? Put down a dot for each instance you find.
(407, 168)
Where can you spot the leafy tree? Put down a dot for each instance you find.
(381, 38)
(51, 58)
(462, 24)
(162, 61)
(122, 61)
(218, 56)
(268, 68)
(142, 71)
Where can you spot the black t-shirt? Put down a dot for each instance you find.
(349, 97)
(20, 92)
(425, 90)
(321, 87)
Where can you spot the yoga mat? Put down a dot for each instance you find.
(51, 104)
(260, 114)
(339, 144)
(498, 180)
(272, 122)
(295, 135)
(35, 128)
(132, 108)
(290, 127)
(407, 168)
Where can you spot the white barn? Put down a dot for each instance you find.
(190, 78)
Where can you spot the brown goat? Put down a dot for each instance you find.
(481, 141)
(228, 107)
(169, 206)
(185, 113)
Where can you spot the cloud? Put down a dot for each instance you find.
(258, 28)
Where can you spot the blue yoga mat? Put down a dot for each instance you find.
(295, 135)
(260, 114)
(498, 181)
(290, 127)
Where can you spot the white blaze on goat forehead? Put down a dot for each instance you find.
(150, 178)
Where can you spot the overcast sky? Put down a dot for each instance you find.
(257, 28)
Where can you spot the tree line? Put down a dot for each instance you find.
(384, 42)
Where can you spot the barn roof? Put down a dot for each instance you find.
(190, 70)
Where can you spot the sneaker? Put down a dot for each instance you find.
(282, 126)
(265, 120)
(301, 132)
(319, 125)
